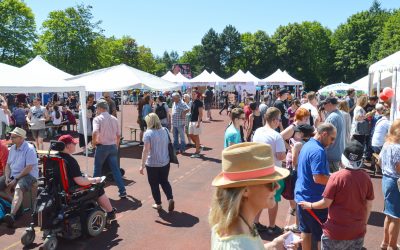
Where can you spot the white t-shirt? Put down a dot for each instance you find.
(381, 129)
(37, 117)
(273, 138)
(314, 111)
(56, 121)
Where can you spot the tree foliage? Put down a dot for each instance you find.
(68, 39)
(17, 32)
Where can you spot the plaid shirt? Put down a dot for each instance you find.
(177, 109)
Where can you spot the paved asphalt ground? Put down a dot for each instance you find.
(138, 226)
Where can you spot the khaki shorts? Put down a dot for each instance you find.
(193, 130)
(25, 183)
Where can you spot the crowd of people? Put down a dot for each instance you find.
(310, 151)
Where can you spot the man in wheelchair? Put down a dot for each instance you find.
(74, 173)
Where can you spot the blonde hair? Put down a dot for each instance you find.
(225, 208)
(152, 121)
(394, 132)
(362, 101)
(343, 106)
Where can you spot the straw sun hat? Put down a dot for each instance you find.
(247, 164)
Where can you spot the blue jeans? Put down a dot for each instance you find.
(109, 153)
(179, 132)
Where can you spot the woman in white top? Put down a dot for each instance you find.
(358, 118)
(246, 185)
(381, 129)
(56, 117)
(344, 109)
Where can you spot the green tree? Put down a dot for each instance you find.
(17, 32)
(210, 51)
(258, 53)
(304, 51)
(352, 42)
(389, 39)
(168, 59)
(146, 60)
(68, 39)
(231, 49)
(194, 57)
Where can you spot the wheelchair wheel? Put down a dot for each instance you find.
(95, 223)
(50, 243)
(28, 237)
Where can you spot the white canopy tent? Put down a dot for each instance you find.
(241, 82)
(281, 78)
(388, 64)
(178, 78)
(362, 83)
(121, 77)
(216, 77)
(339, 89)
(181, 79)
(203, 79)
(4, 68)
(253, 78)
(39, 77)
(169, 76)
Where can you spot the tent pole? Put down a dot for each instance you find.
(82, 98)
(122, 110)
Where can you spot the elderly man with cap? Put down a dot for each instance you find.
(21, 172)
(335, 117)
(281, 105)
(179, 111)
(105, 138)
(348, 195)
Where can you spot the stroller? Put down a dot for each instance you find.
(64, 209)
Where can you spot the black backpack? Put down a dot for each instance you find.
(161, 112)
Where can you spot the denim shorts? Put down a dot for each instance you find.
(391, 196)
(308, 224)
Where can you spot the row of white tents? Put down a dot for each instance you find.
(279, 77)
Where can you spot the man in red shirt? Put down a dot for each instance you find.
(348, 195)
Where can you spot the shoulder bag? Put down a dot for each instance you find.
(171, 151)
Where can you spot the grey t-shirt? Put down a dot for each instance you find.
(335, 151)
(37, 118)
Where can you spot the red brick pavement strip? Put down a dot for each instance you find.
(138, 226)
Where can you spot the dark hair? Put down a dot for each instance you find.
(350, 91)
(161, 98)
(253, 106)
(147, 100)
(58, 113)
(295, 101)
(236, 113)
(373, 98)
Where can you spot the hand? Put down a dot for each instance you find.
(141, 170)
(198, 124)
(305, 204)
(12, 183)
(279, 242)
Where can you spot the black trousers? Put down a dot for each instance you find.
(158, 176)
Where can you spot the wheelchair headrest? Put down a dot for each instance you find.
(57, 145)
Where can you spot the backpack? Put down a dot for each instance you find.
(161, 112)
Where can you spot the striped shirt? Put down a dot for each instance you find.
(107, 127)
(177, 109)
(158, 139)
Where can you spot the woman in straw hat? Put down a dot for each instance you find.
(246, 185)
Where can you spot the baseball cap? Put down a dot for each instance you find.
(283, 91)
(332, 100)
(67, 139)
(352, 155)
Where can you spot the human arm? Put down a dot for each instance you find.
(321, 204)
(398, 167)
(279, 243)
(287, 133)
(321, 179)
(95, 132)
(250, 127)
(145, 154)
(200, 117)
(280, 156)
(84, 181)
(369, 208)
(94, 138)
(295, 153)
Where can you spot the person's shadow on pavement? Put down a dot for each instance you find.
(177, 219)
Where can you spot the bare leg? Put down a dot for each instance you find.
(386, 231)
(141, 135)
(272, 213)
(393, 232)
(40, 143)
(196, 140)
(105, 203)
(306, 244)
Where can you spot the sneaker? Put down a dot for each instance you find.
(122, 195)
(195, 156)
(275, 230)
(156, 206)
(260, 227)
(9, 219)
(171, 205)
(294, 228)
(111, 215)
(141, 144)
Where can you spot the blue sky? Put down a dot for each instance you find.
(168, 25)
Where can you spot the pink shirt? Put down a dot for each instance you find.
(107, 127)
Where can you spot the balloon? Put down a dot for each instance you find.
(383, 97)
(388, 92)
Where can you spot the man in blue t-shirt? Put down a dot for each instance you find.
(312, 176)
